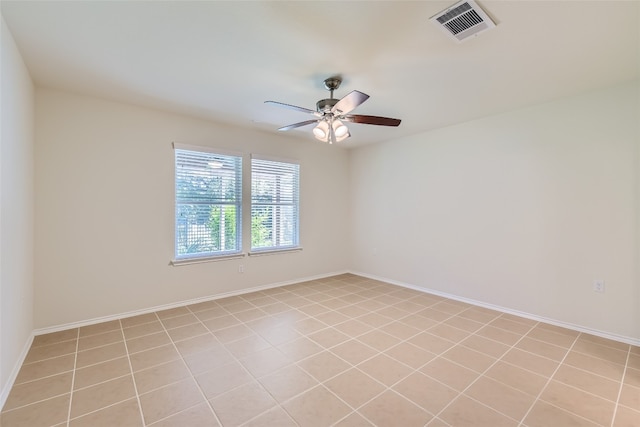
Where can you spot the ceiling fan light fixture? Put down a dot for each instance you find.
(321, 131)
(339, 129)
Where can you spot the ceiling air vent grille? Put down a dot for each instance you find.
(463, 20)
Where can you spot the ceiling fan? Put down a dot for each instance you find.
(331, 114)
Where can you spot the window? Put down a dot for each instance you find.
(274, 204)
(208, 203)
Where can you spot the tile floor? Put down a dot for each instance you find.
(344, 351)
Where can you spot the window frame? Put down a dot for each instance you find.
(295, 204)
(238, 161)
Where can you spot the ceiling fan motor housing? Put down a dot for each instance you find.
(325, 105)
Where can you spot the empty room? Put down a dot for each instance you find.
(314, 213)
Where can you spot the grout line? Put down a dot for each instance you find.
(624, 373)
(73, 377)
(537, 399)
(133, 379)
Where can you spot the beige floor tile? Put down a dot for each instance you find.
(549, 336)
(626, 417)
(209, 313)
(388, 408)
(221, 322)
(531, 362)
(34, 391)
(332, 318)
(545, 415)
(143, 329)
(160, 376)
(449, 373)
(146, 342)
(385, 369)
(378, 340)
(353, 328)
(611, 370)
(265, 362)
(634, 361)
(275, 417)
(500, 335)
(354, 387)
(480, 315)
(48, 351)
(287, 382)
(324, 365)
(100, 395)
(353, 351)
(45, 368)
(602, 341)
(169, 400)
(448, 332)
(124, 414)
(632, 377)
(600, 351)
(437, 422)
(100, 354)
(464, 324)
(55, 337)
(316, 408)
(257, 313)
(431, 343)
(465, 412)
(196, 416)
(426, 392)
(591, 383)
(354, 420)
(299, 349)
(352, 310)
(630, 397)
(419, 322)
(400, 330)
(508, 325)
(155, 356)
(280, 334)
(247, 346)
(410, 355)
(138, 320)
(242, 404)
(432, 314)
(448, 307)
(202, 306)
(197, 344)
(518, 378)
(469, 358)
(314, 309)
(101, 372)
(99, 340)
(595, 409)
(374, 320)
(504, 399)
(208, 360)
(42, 414)
(224, 378)
(172, 312)
(309, 326)
(232, 333)
(486, 346)
(186, 332)
(100, 328)
(541, 348)
(176, 322)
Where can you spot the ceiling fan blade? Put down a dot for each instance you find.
(371, 120)
(292, 107)
(297, 125)
(349, 102)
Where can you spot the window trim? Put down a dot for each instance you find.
(270, 250)
(187, 259)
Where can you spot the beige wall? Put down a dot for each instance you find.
(16, 210)
(105, 209)
(522, 210)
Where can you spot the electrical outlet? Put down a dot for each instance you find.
(241, 268)
(598, 286)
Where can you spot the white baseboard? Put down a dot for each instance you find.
(578, 328)
(93, 321)
(14, 373)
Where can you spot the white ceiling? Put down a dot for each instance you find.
(221, 60)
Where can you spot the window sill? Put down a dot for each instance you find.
(275, 251)
(188, 261)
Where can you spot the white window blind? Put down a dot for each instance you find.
(274, 204)
(208, 204)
